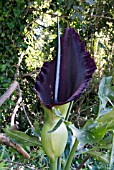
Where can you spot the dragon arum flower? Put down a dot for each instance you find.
(75, 71)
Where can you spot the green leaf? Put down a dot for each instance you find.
(94, 149)
(100, 156)
(93, 133)
(91, 2)
(37, 128)
(80, 17)
(2, 164)
(59, 1)
(10, 25)
(77, 15)
(22, 137)
(73, 16)
(111, 94)
(75, 7)
(104, 91)
(89, 122)
(104, 146)
(108, 119)
(2, 154)
(106, 110)
(16, 12)
(106, 141)
(104, 86)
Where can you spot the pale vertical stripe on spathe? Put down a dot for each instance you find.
(57, 80)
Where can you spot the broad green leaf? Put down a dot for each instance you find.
(106, 140)
(89, 122)
(112, 91)
(94, 149)
(106, 110)
(108, 119)
(37, 128)
(93, 133)
(2, 164)
(105, 146)
(104, 91)
(100, 156)
(104, 86)
(22, 137)
(105, 143)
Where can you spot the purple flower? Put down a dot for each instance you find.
(76, 71)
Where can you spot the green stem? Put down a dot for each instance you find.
(70, 158)
(112, 153)
(59, 163)
(99, 110)
(68, 111)
(53, 165)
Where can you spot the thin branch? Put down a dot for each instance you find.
(18, 65)
(100, 16)
(34, 20)
(28, 74)
(20, 95)
(66, 16)
(83, 162)
(13, 126)
(8, 142)
(15, 111)
(8, 93)
(27, 116)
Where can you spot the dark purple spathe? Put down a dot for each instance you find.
(76, 71)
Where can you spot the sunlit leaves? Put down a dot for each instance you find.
(107, 118)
